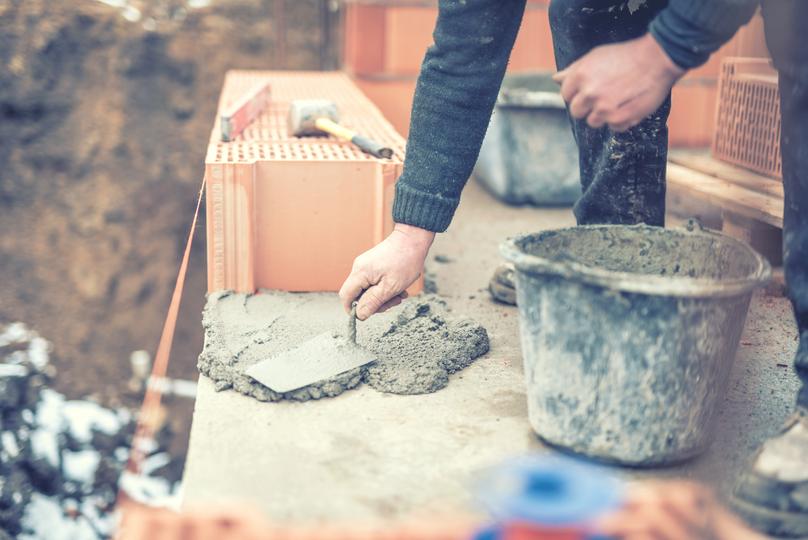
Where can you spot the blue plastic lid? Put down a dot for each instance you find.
(549, 490)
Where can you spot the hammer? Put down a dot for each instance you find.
(318, 116)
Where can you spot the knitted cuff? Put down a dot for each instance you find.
(422, 209)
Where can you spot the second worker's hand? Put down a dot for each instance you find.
(380, 276)
(619, 84)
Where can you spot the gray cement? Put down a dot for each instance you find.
(368, 456)
(241, 330)
(417, 348)
(420, 349)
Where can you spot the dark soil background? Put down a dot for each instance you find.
(104, 123)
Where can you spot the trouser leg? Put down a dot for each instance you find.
(785, 20)
(622, 174)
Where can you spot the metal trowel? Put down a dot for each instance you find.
(322, 357)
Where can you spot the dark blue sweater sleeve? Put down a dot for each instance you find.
(455, 94)
(691, 30)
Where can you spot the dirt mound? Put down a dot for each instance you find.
(105, 114)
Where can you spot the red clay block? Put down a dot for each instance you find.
(750, 41)
(393, 97)
(747, 129)
(393, 93)
(232, 522)
(292, 213)
(690, 123)
(387, 40)
(533, 50)
(408, 35)
(364, 37)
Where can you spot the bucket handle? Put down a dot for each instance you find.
(694, 224)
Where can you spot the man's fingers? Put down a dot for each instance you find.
(560, 76)
(581, 105)
(631, 112)
(393, 302)
(596, 119)
(372, 300)
(622, 120)
(352, 288)
(396, 300)
(622, 127)
(569, 87)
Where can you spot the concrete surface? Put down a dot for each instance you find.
(369, 457)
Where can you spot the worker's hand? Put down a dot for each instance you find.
(385, 271)
(673, 510)
(619, 84)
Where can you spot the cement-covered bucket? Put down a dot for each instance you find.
(529, 155)
(629, 333)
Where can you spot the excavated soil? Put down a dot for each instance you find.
(105, 114)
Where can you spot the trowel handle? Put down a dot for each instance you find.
(352, 323)
(372, 147)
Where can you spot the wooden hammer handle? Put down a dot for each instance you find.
(365, 144)
(338, 131)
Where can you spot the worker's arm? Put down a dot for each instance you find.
(619, 85)
(456, 91)
(691, 30)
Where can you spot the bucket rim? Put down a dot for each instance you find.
(521, 98)
(680, 286)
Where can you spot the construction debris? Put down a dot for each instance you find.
(60, 459)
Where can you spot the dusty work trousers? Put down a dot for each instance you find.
(623, 174)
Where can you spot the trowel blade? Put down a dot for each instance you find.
(318, 359)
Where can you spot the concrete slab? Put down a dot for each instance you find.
(371, 457)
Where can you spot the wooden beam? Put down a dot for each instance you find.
(728, 195)
(701, 161)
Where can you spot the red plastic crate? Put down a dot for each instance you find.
(747, 131)
(292, 213)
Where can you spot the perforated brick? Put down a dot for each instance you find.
(748, 119)
(239, 521)
(291, 213)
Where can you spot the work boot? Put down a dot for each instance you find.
(772, 493)
(502, 284)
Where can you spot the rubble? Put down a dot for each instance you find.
(60, 459)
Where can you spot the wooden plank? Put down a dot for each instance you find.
(738, 226)
(728, 195)
(703, 162)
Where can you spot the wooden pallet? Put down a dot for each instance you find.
(751, 204)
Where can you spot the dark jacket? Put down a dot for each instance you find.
(460, 79)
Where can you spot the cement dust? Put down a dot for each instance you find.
(418, 346)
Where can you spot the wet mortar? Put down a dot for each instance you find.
(418, 346)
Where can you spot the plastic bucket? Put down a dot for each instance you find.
(628, 335)
(529, 155)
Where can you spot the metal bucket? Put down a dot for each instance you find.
(629, 334)
(529, 155)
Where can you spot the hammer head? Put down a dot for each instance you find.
(303, 113)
